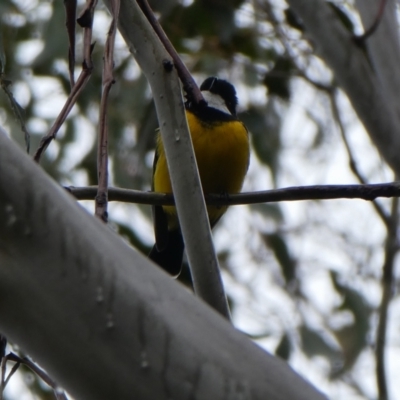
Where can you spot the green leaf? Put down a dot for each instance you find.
(245, 41)
(264, 125)
(277, 244)
(352, 299)
(314, 344)
(293, 19)
(353, 337)
(269, 210)
(284, 347)
(133, 238)
(278, 78)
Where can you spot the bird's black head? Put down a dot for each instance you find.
(223, 89)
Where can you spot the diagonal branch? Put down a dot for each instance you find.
(161, 336)
(108, 81)
(76, 90)
(3, 379)
(353, 165)
(16, 108)
(60, 395)
(155, 63)
(70, 23)
(85, 21)
(373, 27)
(189, 85)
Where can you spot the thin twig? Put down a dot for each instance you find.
(76, 90)
(282, 37)
(16, 108)
(4, 380)
(317, 192)
(280, 34)
(391, 248)
(59, 393)
(102, 152)
(318, 85)
(85, 21)
(378, 18)
(12, 372)
(3, 376)
(70, 23)
(189, 85)
(353, 165)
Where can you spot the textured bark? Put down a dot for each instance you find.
(151, 55)
(104, 321)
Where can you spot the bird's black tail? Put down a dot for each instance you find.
(170, 257)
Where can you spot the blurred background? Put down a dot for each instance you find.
(303, 278)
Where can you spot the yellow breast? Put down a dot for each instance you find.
(222, 154)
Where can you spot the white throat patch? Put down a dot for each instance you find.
(215, 101)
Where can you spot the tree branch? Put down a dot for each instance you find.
(101, 202)
(391, 248)
(318, 192)
(59, 393)
(16, 108)
(374, 26)
(189, 85)
(353, 165)
(85, 21)
(146, 337)
(155, 62)
(70, 23)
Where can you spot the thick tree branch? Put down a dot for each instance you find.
(111, 324)
(155, 63)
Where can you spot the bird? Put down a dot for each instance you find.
(221, 146)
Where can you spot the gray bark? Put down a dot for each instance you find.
(150, 55)
(104, 321)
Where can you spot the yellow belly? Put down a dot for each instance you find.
(222, 154)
